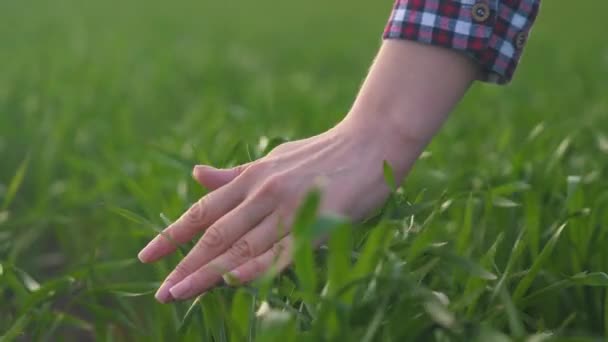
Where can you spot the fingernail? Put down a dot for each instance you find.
(144, 255)
(163, 295)
(147, 253)
(231, 278)
(181, 290)
(196, 172)
(202, 167)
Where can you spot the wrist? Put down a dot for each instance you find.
(391, 145)
(406, 97)
(386, 124)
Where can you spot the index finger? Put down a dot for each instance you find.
(199, 217)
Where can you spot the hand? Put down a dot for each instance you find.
(246, 219)
(247, 216)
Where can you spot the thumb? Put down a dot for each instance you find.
(213, 178)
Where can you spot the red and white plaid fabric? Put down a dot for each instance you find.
(493, 32)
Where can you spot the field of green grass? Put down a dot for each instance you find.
(499, 233)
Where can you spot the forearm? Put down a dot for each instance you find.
(409, 92)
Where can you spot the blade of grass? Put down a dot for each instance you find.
(187, 319)
(16, 328)
(242, 314)
(15, 183)
(543, 257)
(517, 251)
(464, 234)
(303, 255)
(515, 324)
(339, 265)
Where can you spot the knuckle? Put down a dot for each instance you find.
(257, 266)
(181, 271)
(289, 204)
(274, 186)
(242, 249)
(166, 235)
(239, 169)
(257, 169)
(287, 146)
(197, 278)
(197, 211)
(276, 250)
(212, 238)
(282, 148)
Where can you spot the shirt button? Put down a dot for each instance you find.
(480, 12)
(520, 40)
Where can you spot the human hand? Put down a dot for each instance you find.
(247, 216)
(246, 219)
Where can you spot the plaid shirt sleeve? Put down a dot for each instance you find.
(492, 32)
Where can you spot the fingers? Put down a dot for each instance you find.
(217, 239)
(213, 178)
(200, 216)
(254, 243)
(244, 268)
(275, 259)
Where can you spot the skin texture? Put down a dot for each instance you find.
(246, 218)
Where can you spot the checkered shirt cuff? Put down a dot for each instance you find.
(492, 32)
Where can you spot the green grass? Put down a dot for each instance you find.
(499, 233)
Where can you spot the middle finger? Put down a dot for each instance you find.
(254, 243)
(218, 238)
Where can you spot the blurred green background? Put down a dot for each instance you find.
(106, 105)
